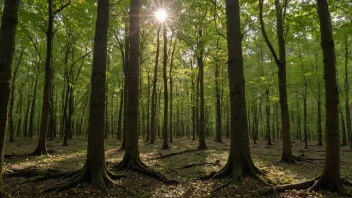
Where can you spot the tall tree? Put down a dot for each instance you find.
(153, 121)
(131, 159)
(330, 179)
(166, 95)
(9, 22)
(45, 117)
(94, 170)
(281, 64)
(239, 162)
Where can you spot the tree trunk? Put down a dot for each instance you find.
(45, 115)
(125, 72)
(9, 22)
(239, 162)
(330, 179)
(153, 121)
(12, 100)
(218, 105)
(33, 107)
(119, 121)
(131, 158)
(268, 132)
(281, 64)
(171, 90)
(202, 145)
(166, 99)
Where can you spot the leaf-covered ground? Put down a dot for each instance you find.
(72, 157)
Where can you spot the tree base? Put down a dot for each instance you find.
(134, 163)
(40, 151)
(236, 170)
(310, 185)
(287, 158)
(87, 174)
(12, 139)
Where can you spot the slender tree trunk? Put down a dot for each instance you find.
(153, 121)
(201, 124)
(33, 107)
(171, 90)
(19, 113)
(12, 100)
(305, 115)
(267, 108)
(281, 64)
(45, 115)
(218, 105)
(9, 22)
(125, 71)
(166, 97)
(119, 122)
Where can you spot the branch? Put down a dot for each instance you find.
(271, 48)
(61, 8)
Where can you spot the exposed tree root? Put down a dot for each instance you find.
(218, 149)
(3, 193)
(87, 174)
(346, 182)
(134, 163)
(173, 154)
(217, 162)
(310, 185)
(236, 171)
(10, 156)
(38, 174)
(39, 151)
(287, 158)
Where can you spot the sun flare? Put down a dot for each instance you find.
(161, 15)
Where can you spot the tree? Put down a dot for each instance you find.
(94, 170)
(9, 22)
(131, 159)
(166, 95)
(239, 162)
(330, 179)
(281, 64)
(45, 117)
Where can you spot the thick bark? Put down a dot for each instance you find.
(330, 179)
(166, 95)
(281, 64)
(239, 162)
(9, 22)
(153, 121)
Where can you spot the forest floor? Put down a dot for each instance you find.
(72, 157)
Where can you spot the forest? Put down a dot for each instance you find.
(175, 98)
